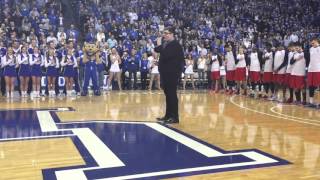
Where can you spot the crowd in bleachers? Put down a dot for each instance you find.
(35, 33)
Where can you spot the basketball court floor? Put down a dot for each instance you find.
(115, 136)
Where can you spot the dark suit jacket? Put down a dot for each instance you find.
(171, 58)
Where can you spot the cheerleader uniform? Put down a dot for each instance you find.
(288, 79)
(215, 68)
(298, 71)
(314, 67)
(9, 64)
(23, 60)
(254, 70)
(155, 69)
(189, 69)
(240, 73)
(69, 70)
(230, 66)
(115, 65)
(279, 76)
(52, 65)
(267, 71)
(36, 61)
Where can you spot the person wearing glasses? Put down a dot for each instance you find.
(171, 64)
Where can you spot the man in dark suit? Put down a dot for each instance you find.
(171, 63)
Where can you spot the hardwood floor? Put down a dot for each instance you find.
(231, 123)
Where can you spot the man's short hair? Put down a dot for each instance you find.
(170, 29)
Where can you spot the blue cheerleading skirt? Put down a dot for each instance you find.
(10, 71)
(68, 71)
(24, 70)
(52, 71)
(36, 70)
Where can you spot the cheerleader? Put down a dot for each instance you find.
(201, 68)
(9, 63)
(114, 71)
(36, 62)
(267, 72)
(69, 62)
(230, 67)
(254, 71)
(52, 66)
(313, 77)
(298, 73)
(279, 70)
(240, 73)
(188, 71)
(288, 77)
(215, 71)
(24, 70)
(154, 75)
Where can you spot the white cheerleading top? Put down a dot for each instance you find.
(278, 60)
(231, 65)
(189, 68)
(289, 66)
(299, 67)
(242, 61)
(314, 65)
(215, 66)
(115, 65)
(268, 62)
(254, 62)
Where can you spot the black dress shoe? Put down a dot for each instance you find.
(171, 121)
(162, 118)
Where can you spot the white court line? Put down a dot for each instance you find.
(99, 151)
(259, 159)
(46, 121)
(101, 121)
(280, 117)
(36, 137)
(203, 149)
(294, 117)
(103, 156)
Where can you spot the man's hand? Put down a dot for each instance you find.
(159, 41)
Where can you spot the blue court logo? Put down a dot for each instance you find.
(132, 150)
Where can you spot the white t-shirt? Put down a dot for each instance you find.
(314, 65)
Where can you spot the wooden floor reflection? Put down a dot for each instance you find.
(229, 122)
